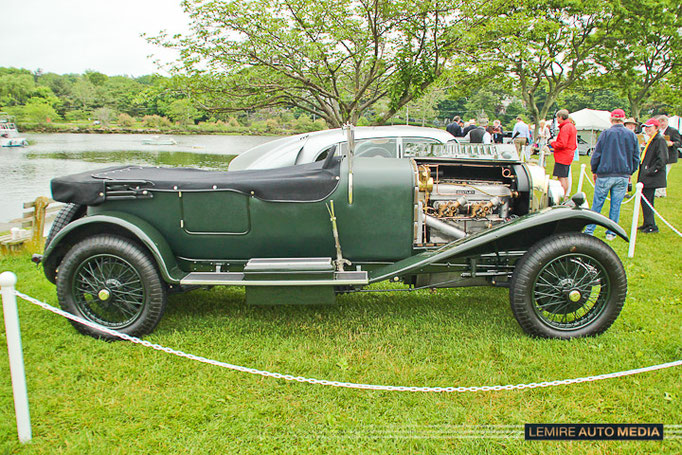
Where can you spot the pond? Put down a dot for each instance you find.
(26, 172)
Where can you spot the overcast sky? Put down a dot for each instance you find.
(70, 36)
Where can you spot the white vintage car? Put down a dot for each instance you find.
(370, 141)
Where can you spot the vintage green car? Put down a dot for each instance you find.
(469, 215)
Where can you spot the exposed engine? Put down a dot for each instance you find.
(456, 200)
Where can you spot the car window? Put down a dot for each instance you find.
(386, 147)
(417, 146)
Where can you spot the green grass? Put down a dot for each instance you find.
(89, 396)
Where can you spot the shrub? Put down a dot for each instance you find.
(126, 120)
(155, 121)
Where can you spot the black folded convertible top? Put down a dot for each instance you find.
(302, 183)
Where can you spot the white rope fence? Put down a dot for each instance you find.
(9, 294)
(583, 175)
(662, 219)
(635, 219)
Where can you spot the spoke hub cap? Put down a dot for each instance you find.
(104, 295)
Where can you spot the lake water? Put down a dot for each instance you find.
(25, 172)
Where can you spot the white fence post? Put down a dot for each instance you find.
(582, 176)
(635, 219)
(16, 357)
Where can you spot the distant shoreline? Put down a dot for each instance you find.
(58, 129)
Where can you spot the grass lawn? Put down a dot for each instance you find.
(89, 396)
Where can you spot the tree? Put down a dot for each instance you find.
(38, 110)
(183, 112)
(331, 58)
(545, 46)
(644, 45)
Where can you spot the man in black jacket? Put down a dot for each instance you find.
(673, 141)
(652, 172)
(455, 128)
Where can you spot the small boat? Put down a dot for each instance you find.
(13, 142)
(159, 140)
(9, 135)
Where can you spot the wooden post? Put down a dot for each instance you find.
(40, 206)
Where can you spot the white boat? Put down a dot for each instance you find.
(9, 135)
(159, 140)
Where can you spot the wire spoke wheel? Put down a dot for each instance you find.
(567, 286)
(109, 291)
(571, 291)
(113, 282)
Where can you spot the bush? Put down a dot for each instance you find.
(271, 125)
(126, 120)
(104, 115)
(155, 121)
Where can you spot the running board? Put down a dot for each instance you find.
(351, 278)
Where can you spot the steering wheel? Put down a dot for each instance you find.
(375, 151)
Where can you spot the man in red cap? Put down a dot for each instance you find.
(564, 147)
(615, 159)
(652, 172)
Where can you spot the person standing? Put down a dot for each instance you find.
(673, 141)
(564, 146)
(469, 127)
(652, 172)
(543, 134)
(615, 159)
(479, 134)
(455, 128)
(520, 136)
(498, 132)
(631, 124)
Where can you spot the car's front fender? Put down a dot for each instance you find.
(115, 222)
(523, 230)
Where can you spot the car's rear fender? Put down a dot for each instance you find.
(119, 223)
(520, 233)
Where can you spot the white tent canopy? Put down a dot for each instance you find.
(675, 122)
(591, 120)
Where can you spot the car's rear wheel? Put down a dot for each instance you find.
(68, 213)
(567, 286)
(113, 282)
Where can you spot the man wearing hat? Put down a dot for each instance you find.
(673, 141)
(615, 159)
(631, 124)
(652, 172)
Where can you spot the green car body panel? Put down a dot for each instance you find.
(119, 222)
(179, 228)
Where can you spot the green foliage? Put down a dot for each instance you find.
(126, 120)
(332, 58)
(38, 110)
(104, 115)
(183, 112)
(155, 121)
(644, 48)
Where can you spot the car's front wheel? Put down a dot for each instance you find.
(113, 282)
(567, 286)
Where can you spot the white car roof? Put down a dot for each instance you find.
(304, 148)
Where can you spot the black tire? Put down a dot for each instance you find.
(111, 281)
(68, 213)
(568, 286)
